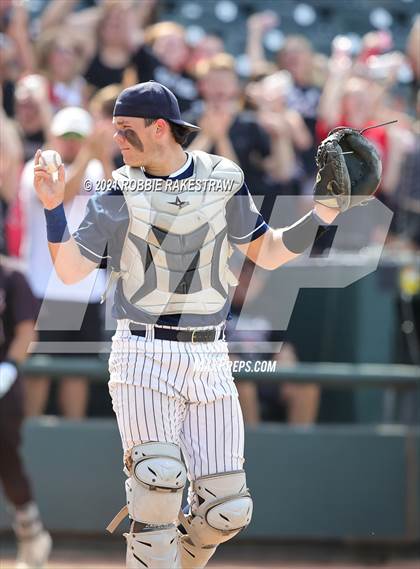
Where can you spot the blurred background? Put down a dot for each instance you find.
(333, 435)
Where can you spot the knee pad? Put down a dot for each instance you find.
(157, 477)
(155, 548)
(221, 507)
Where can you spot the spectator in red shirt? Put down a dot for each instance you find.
(358, 102)
(354, 106)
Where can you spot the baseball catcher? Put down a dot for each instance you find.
(170, 379)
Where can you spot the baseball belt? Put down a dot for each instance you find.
(176, 335)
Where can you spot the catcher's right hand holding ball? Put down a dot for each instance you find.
(51, 160)
(49, 178)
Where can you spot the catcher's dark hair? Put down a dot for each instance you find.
(179, 132)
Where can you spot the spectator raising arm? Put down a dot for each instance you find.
(56, 12)
(299, 132)
(78, 24)
(330, 106)
(281, 163)
(143, 12)
(400, 142)
(288, 133)
(18, 31)
(286, 128)
(258, 25)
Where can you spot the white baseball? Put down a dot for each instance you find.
(51, 160)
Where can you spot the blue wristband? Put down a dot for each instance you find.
(57, 231)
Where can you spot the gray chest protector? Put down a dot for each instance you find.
(175, 256)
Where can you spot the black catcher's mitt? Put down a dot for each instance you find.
(349, 169)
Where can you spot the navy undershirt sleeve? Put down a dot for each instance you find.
(244, 221)
(106, 218)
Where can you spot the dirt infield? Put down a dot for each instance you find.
(57, 563)
(82, 555)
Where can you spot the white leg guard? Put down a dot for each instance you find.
(157, 479)
(221, 506)
(154, 488)
(155, 548)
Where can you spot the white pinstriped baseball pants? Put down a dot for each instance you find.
(160, 393)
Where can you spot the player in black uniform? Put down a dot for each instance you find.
(17, 319)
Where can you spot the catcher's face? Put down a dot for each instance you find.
(139, 144)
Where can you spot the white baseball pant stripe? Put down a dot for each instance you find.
(161, 392)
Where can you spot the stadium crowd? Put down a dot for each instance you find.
(61, 75)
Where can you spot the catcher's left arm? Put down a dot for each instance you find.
(349, 173)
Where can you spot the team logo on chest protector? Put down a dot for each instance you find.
(176, 252)
(179, 203)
